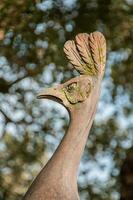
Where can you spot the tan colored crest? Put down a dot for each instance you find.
(98, 49)
(87, 53)
(73, 56)
(82, 43)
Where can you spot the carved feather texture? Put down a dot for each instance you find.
(98, 49)
(73, 56)
(87, 53)
(82, 43)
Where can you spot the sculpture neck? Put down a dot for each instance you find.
(60, 173)
(69, 152)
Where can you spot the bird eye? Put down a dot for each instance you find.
(71, 87)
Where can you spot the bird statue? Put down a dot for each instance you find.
(58, 179)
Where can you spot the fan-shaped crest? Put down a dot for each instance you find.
(87, 53)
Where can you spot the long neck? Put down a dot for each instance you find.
(68, 154)
(59, 176)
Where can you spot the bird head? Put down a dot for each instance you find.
(69, 93)
(87, 54)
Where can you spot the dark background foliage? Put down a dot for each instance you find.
(32, 34)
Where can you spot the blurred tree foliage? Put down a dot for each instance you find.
(32, 34)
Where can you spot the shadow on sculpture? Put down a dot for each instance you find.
(58, 179)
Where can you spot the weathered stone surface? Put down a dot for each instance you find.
(58, 179)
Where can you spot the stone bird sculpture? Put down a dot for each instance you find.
(58, 179)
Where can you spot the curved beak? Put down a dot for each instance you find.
(54, 93)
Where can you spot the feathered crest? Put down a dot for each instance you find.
(98, 49)
(87, 53)
(73, 55)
